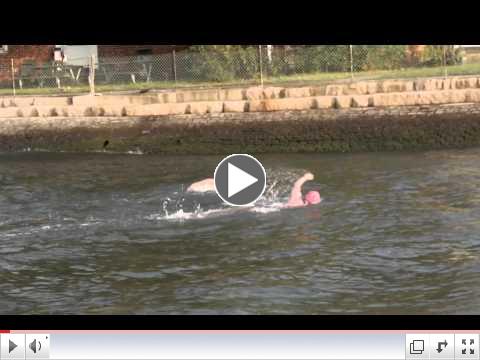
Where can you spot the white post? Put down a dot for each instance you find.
(269, 53)
(351, 61)
(91, 76)
(13, 79)
(261, 69)
(445, 73)
(174, 66)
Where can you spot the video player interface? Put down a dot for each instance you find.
(236, 345)
(239, 180)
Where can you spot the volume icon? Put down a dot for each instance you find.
(35, 346)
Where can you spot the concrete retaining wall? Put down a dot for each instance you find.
(254, 94)
(370, 115)
(320, 130)
(110, 106)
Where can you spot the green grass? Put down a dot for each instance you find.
(285, 80)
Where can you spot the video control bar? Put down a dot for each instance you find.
(230, 345)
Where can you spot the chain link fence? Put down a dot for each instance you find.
(30, 77)
(236, 66)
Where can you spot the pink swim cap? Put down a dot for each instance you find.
(313, 197)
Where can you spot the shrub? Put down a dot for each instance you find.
(336, 58)
(327, 58)
(220, 63)
(231, 62)
(379, 57)
(433, 55)
(308, 59)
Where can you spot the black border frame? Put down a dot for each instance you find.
(240, 322)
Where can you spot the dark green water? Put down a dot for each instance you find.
(106, 233)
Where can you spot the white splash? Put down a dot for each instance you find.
(273, 200)
(135, 152)
(265, 209)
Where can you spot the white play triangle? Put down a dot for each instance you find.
(238, 180)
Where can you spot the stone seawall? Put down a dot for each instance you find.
(373, 93)
(320, 130)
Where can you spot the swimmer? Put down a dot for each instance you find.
(202, 186)
(296, 199)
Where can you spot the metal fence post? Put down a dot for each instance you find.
(13, 79)
(91, 76)
(445, 72)
(261, 65)
(174, 60)
(351, 61)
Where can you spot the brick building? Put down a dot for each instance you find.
(42, 54)
(20, 53)
(132, 50)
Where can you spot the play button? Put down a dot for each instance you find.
(11, 346)
(240, 179)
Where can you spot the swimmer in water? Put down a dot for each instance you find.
(297, 200)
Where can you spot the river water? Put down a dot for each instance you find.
(116, 234)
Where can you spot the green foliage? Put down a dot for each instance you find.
(221, 63)
(309, 59)
(433, 55)
(326, 58)
(336, 58)
(379, 57)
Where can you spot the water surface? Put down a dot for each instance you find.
(116, 234)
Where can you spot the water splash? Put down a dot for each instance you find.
(277, 191)
(135, 152)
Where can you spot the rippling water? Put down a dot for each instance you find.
(116, 234)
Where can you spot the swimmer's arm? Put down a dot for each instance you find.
(296, 193)
(193, 186)
(203, 185)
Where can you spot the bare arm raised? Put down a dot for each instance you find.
(296, 198)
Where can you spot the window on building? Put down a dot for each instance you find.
(145, 52)
(3, 49)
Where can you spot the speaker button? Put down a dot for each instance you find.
(37, 346)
